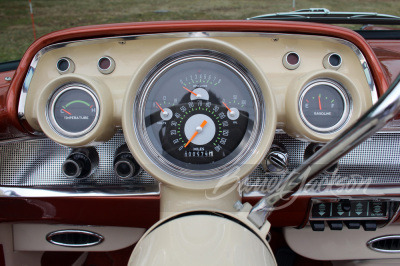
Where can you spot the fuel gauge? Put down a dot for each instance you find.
(73, 110)
(324, 106)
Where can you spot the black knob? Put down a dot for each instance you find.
(125, 166)
(81, 162)
(313, 148)
(346, 205)
(276, 160)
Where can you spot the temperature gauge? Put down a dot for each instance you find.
(73, 110)
(324, 106)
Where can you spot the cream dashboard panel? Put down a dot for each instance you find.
(267, 51)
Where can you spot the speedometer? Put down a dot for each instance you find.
(199, 111)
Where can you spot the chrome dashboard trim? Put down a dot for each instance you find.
(132, 191)
(122, 40)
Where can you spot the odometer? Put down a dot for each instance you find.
(199, 111)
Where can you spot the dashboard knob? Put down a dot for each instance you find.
(313, 148)
(81, 163)
(276, 161)
(125, 166)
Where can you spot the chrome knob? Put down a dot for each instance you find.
(81, 163)
(276, 161)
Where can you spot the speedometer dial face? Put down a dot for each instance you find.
(199, 113)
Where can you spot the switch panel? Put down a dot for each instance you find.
(349, 209)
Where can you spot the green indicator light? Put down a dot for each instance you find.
(215, 144)
(185, 112)
(212, 112)
(215, 84)
(326, 98)
(180, 138)
(332, 101)
(313, 98)
(220, 124)
(220, 131)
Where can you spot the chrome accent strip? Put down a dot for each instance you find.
(373, 120)
(123, 39)
(121, 191)
(367, 72)
(50, 236)
(372, 241)
(27, 138)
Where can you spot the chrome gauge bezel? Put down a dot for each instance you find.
(246, 149)
(347, 104)
(50, 112)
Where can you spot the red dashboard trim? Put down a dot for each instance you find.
(140, 212)
(8, 112)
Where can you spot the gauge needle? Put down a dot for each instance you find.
(162, 110)
(198, 129)
(195, 94)
(319, 101)
(230, 111)
(66, 111)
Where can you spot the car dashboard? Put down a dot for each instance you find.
(92, 131)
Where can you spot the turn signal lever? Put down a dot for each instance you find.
(373, 120)
(81, 163)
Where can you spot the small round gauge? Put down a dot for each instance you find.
(73, 110)
(199, 113)
(324, 106)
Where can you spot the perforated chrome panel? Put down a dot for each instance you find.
(376, 161)
(38, 163)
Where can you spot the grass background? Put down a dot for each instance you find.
(16, 30)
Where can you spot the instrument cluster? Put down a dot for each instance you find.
(197, 108)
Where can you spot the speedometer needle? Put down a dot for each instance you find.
(198, 129)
